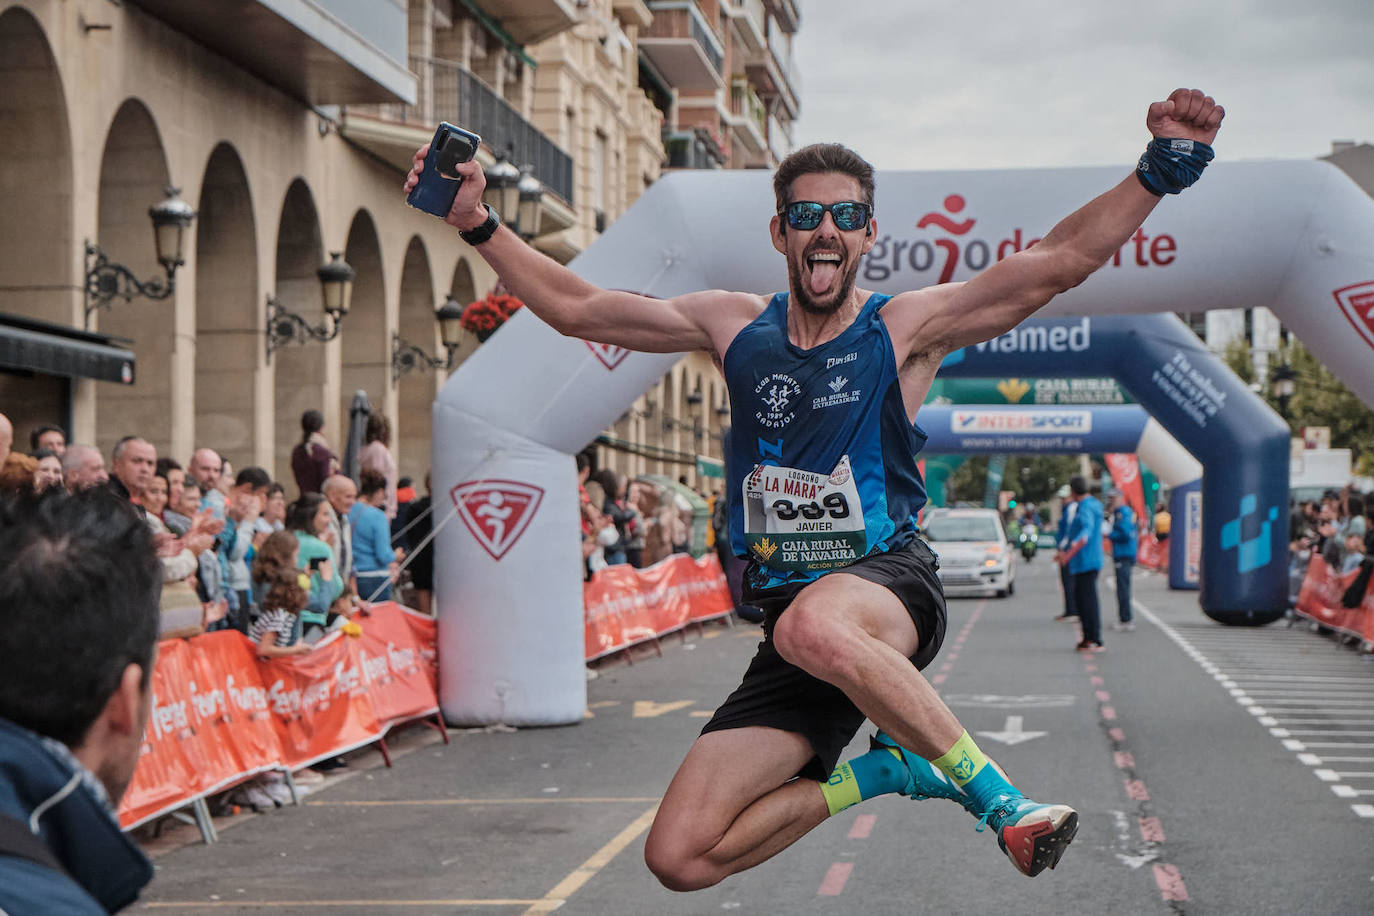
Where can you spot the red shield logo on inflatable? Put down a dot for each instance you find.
(1357, 302)
(497, 512)
(609, 356)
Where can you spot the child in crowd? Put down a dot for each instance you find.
(283, 592)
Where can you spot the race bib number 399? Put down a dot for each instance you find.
(802, 521)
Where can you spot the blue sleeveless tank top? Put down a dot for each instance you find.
(821, 458)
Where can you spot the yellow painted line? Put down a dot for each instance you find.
(421, 802)
(240, 904)
(702, 713)
(648, 709)
(712, 635)
(588, 869)
(604, 704)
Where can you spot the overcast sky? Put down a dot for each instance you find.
(916, 84)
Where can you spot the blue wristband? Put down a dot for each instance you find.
(1169, 165)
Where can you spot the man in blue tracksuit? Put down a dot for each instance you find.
(79, 581)
(1124, 538)
(1083, 560)
(1061, 544)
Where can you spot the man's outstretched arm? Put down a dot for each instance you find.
(576, 308)
(944, 318)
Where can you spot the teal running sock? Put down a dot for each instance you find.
(879, 772)
(974, 773)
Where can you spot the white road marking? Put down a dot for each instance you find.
(1014, 732)
(1281, 696)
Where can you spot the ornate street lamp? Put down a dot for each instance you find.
(1282, 384)
(104, 281)
(503, 189)
(407, 357)
(531, 196)
(285, 326)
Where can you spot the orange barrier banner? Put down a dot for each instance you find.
(395, 653)
(230, 666)
(319, 702)
(624, 606)
(1320, 599)
(165, 776)
(1151, 553)
(220, 714)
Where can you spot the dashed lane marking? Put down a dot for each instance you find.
(835, 878)
(863, 826)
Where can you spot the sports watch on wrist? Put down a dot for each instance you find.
(482, 233)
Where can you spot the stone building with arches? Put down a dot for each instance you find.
(286, 127)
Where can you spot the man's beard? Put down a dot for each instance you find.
(802, 296)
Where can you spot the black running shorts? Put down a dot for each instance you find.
(777, 694)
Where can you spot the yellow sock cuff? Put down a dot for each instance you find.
(841, 790)
(963, 761)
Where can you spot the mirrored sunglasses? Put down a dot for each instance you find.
(848, 215)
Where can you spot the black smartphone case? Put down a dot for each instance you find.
(435, 190)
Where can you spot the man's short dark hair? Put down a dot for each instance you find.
(165, 464)
(257, 477)
(80, 582)
(819, 158)
(1078, 485)
(42, 431)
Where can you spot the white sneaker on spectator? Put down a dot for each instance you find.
(255, 796)
(280, 792)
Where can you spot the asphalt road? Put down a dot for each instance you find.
(1216, 770)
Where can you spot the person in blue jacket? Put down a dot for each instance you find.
(1083, 559)
(1061, 543)
(374, 559)
(79, 582)
(1124, 537)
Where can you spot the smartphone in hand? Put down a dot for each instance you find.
(439, 181)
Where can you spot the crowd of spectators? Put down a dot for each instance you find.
(1339, 528)
(629, 521)
(235, 554)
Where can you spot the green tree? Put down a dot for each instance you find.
(1241, 360)
(1034, 478)
(1319, 399)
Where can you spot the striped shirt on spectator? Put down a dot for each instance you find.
(279, 621)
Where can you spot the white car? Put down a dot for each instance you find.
(975, 555)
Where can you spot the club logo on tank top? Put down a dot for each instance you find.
(776, 392)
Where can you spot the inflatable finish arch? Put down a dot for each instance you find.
(1294, 236)
(1027, 429)
(1242, 444)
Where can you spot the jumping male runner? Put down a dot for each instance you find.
(824, 493)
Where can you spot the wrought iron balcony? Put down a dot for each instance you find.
(476, 107)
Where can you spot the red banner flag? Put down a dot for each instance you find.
(1125, 471)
